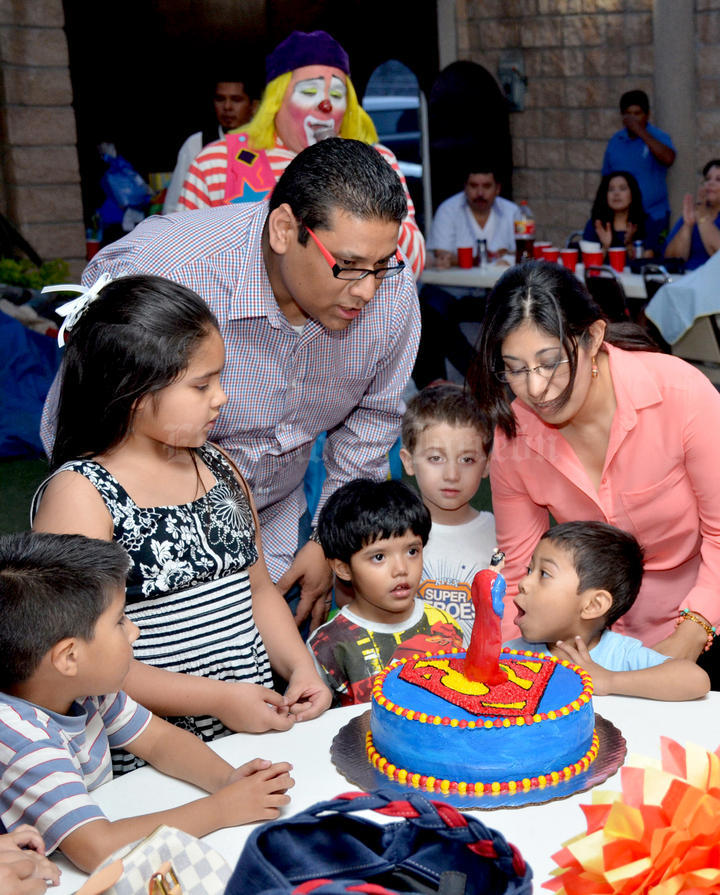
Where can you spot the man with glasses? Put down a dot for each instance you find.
(320, 320)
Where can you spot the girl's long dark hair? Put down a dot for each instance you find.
(134, 339)
(553, 299)
(601, 211)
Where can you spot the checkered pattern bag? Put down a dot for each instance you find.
(200, 869)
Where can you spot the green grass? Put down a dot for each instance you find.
(18, 481)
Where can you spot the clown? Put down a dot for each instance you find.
(308, 97)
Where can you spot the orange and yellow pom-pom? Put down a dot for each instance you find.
(659, 835)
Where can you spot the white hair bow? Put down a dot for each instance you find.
(73, 310)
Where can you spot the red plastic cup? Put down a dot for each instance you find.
(538, 249)
(92, 247)
(550, 253)
(617, 259)
(465, 256)
(569, 258)
(592, 258)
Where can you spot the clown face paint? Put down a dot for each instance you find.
(313, 107)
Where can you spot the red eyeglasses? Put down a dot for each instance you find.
(356, 273)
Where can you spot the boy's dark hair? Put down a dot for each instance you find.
(444, 403)
(363, 511)
(339, 175)
(635, 98)
(604, 557)
(52, 587)
(134, 339)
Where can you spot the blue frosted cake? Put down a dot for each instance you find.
(434, 729)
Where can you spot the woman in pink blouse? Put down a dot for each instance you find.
(602, 427)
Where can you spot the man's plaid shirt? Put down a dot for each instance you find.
(283, 388)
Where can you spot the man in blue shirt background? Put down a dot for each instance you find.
(643, 150)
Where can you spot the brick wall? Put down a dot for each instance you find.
(579, 55)
(39, 174)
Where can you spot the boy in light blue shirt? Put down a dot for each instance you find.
(582, 578)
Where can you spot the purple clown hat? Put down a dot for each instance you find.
(305, 48)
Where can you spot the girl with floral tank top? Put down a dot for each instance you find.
(140, 391)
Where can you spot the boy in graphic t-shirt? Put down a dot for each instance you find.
(373, 535)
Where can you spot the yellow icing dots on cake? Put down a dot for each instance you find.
(430, 783)
(463, 787)
(423, 718)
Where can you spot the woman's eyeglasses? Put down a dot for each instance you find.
(546, 371)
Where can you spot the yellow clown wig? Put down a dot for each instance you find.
(356, 123)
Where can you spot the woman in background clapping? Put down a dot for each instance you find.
(696, 236)
(617, 218)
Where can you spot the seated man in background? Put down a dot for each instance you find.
(234, 103)
(477, 212)
(646, 152)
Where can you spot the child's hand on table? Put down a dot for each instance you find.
(254, 791)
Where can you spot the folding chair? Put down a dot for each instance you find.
(607, 291)
(654, 276)
(573, 241)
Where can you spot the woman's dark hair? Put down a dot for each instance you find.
(134, 339)
(713, 163)
(553, 299)
(601, 211)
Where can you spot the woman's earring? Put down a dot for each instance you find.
(594, 371)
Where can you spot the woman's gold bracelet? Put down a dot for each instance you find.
(706, 626)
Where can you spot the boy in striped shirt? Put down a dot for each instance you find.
(66, 645)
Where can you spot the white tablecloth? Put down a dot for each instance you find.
(677, 305)
(538, 831)
(489, 275)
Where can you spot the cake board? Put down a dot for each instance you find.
(348, 754)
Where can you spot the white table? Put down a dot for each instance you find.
(474, 277)
(538, 831)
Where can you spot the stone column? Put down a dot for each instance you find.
(675, 90)
(446, 33)
(707, 28)
(39, 173)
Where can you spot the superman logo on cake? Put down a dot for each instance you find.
(519, 694)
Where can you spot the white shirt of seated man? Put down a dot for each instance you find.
(478, 212)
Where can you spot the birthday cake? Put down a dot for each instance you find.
(479, 724)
